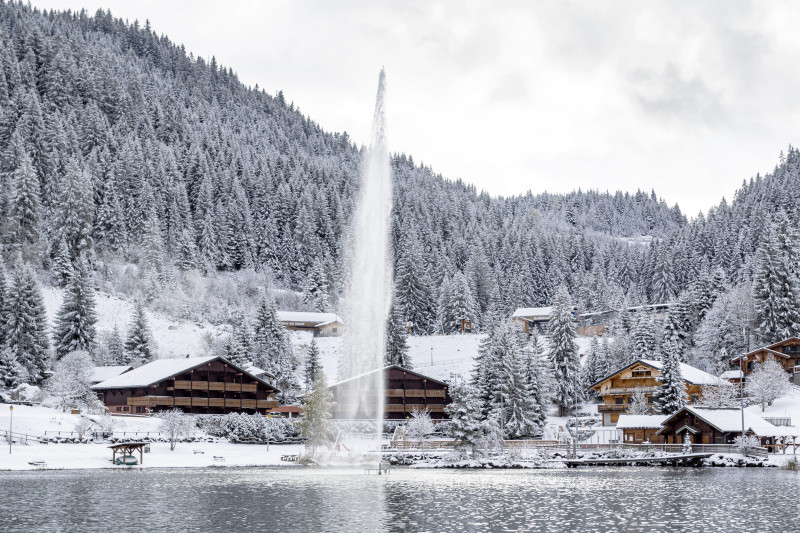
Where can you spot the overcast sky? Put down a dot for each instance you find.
(687, 98)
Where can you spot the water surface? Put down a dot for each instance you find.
(296, 499)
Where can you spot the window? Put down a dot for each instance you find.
(695, 398)
(619, 401)
(641, 373)
(335, 330)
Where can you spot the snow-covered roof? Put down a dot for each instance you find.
(640, 421)
(776, 431)
(158, 370)
(731, 374)
(693, 375)
(308, 316)
(770, 348)
(102, 373)
(728, 420)
(257, 372)
(524, 312)
(384, 369)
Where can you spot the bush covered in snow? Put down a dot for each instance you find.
(240, 427)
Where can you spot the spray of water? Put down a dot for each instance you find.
(370, 278)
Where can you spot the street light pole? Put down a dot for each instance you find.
(741, 396)
(575, 442)
(10, 427)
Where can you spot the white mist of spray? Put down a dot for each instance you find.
(370, 277)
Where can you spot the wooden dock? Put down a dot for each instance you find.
(628, 461)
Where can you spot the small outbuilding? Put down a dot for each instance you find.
(319, 324)
(637, 429)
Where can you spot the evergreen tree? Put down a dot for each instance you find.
(11, 372)
(396, 337)
(776, 287)
(26, 326)
(139, 347)
(672, 391)
(315, 290)
(314, 423)
(465, 417)
(457, 307)
(25, 211)
(76, 317)
(116, 348)
(313, 364)
(519, 410)
(564, 353)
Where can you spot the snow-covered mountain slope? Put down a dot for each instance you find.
(174, 338)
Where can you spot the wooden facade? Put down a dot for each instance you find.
(617, 389)
(406, 391)
(707, 425)
(786, 352)
(203, 385)
(638, 429)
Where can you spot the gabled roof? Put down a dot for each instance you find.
(724, 420)
(640, 421)
(317, 319)
(524, 312)
(162, 369)
(770, 348)
(731, 374)
(102, 373)
(690, 374)
(389, 367)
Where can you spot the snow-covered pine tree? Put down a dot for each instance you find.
(76, 318)
(538, 377)
(643, 336)
(26, 326)
(115, 348)
(457, 307)
(396, 337)
(271, 343)
(25, 208)
(487, 374)
(776, 287)
(139, 347)
(518, 409)
(313, 363)
(11, 372)
(564, 353)
(315, 289)
(672, 391)
(465, 417)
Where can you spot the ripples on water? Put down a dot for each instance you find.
(233, 500)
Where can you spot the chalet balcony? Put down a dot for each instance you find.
(627, 391)
(398, 393)
(611, 408)
(398, 407)
(215, 386)
(169, 401)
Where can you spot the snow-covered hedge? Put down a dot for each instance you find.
(240, 427)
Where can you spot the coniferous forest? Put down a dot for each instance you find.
(122, 153)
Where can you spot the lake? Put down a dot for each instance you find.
(298, 499)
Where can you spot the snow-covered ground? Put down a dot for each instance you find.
(174, 338)
(787, 406)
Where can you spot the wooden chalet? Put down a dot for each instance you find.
(786, 352)
(707, 425)
(617, 389)
(637, 429)
(202, 385)
(320, 324)
(406, 391)
(532, 319)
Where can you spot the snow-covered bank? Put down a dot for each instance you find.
(90, 456)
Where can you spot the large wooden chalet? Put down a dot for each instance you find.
(202, 385)
(786, 352)
(617, 389)
(707, 425)
(406, 391)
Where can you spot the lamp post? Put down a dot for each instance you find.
(575, 442)
(741, 396)
(268, 431)
(10, 426)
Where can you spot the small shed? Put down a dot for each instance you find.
(637, 429)
(320, 324)
(708, 425)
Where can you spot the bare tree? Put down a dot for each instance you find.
(176, 426)
(637, 405)
(768, 382)
(420, 425)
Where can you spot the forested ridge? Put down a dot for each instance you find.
(118, 146)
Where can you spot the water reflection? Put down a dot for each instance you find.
(217, 499)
